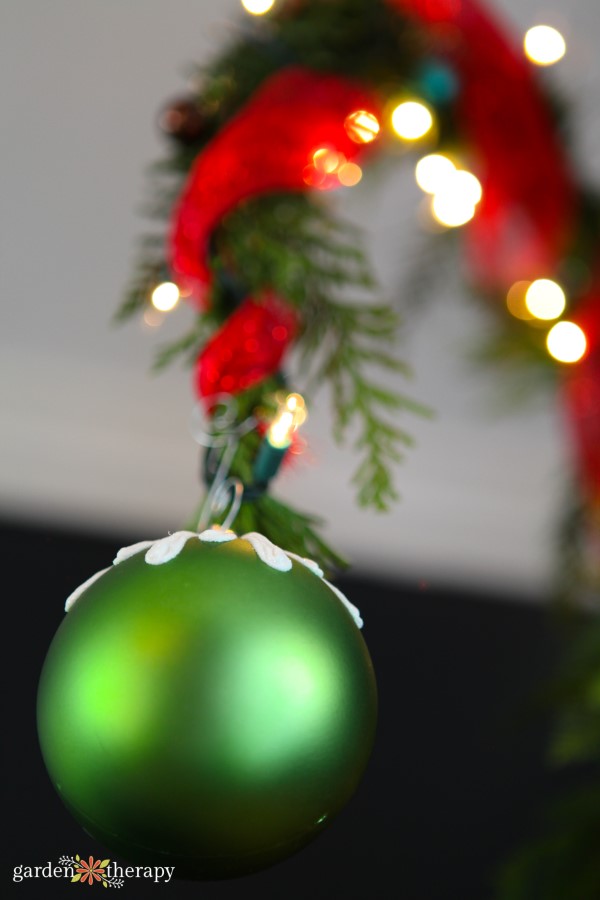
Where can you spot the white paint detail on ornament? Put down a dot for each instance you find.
(165, 549)
(74, 597)
(269, 553)
(217, 535)
(314, 567)
(127, 552)
(354, 612)
(168, 548)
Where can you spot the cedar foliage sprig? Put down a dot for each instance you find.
(298, 248)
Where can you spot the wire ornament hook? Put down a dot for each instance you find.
(221, 440)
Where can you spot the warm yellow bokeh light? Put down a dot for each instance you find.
(545, 299)
(152, 317)
(327, 161)
(452, 209)
(361, 126)
(515, 301)
(349, 174)
(467, 185)
(433, 171)
(165, 296)
(566, 342)
(257, 7)
(544, 45)
(412, 120)
(290, 415)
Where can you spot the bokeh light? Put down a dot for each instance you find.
(432, 172)
(349, 174)
(452, 208)
(165, 296)
(516, 301)
(361, 126)
(454, 202)
(545, 299)
(152, 317)
(257, 7)
(544, 45)
(412, 120)
(566, 342)
(466, 184)
(327, 161)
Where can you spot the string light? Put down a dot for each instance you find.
(361, 126)
(165, 296)
(566, 342)
(455, 203)
(468, 185)
(412, 120)
(328, 168)
(257, 7)
(515, 301)
(152, 318)
(290, 415)
(349, 174)
(432, 171)
(327, 161)
(545, 299)
(544, 45)
(288, 418)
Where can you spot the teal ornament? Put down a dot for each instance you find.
(437, 82)
(207, 703)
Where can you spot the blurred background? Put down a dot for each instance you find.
(96, 451)
(90, 438)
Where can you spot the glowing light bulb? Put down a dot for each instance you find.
(361, 126)
(349, 174)
(452, 209)
(545, 299)
(515, 301)
(544, 45)
(432, 172)
(257, 7)
(290, 415)
(454, 202)
(412, 120)
(468, 185)
(566, 342)
(327, 161)
(165, 296)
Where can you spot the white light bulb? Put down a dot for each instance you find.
(544, 45)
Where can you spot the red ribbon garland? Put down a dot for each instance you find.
(526, 216)
(264, 148)
(249, 347)
(521, 229)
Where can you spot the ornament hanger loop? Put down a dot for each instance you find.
(220, 435)
(218, 429)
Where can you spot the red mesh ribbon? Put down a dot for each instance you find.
(249, 347)
(526, 215)
(264, 148)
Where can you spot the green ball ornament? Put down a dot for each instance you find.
(208, 703)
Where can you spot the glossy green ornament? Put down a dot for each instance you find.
(205, 708)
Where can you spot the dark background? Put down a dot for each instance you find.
(457, 779)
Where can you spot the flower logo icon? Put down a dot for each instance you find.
(91, 870)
